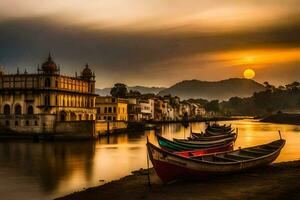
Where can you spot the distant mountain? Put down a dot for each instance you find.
(141, 89)
(221, 90)
(103, 92)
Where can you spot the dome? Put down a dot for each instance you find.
(1, 71)
(87, 72)
(49, 66)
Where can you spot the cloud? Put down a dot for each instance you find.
(134, 57)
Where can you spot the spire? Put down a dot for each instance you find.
(49, 57)
(18, 71)
(49, 67)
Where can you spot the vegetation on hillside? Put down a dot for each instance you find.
(273, 99)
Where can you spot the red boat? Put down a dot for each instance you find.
(170, 166)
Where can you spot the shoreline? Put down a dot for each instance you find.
(81, 137)
(283, 118)
(276, 181)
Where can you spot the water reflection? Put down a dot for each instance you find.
(47, 170)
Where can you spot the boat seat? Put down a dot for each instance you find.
(272, 146)
(226, 159)
(262, 150)
(240, 157)
(253, 151)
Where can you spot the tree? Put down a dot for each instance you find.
(212, 106)
(235, 102)
(262, 99)
(119, 90)
(281, 87)
(269, 87)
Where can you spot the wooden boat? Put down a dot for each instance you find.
(170, 166)
(176, 146)
(217, 126)
(209, 132)
(217, 141)
(214, 133)
(219, 129)
(205, 137)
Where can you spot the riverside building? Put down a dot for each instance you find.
(41, 101)
(111, 109)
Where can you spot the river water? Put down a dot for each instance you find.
(46, 170)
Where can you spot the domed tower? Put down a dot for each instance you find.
(1, 71)
(49, 67)
(89, 76)
(87, 73)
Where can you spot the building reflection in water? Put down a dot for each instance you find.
(50, 169)
(46, 163)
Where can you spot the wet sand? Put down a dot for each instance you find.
(277, 181)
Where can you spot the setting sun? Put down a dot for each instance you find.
(249, 73)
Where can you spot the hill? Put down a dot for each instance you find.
(221, 90)
(141, 89)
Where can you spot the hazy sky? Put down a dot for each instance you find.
(154, 42)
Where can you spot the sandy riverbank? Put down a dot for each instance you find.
(277, 181)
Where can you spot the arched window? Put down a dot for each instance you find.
(30, 110)
(73, 116)
(92, 117)
(6, 109)
(47, 82)
(92, 103)
(63, 116)
(56, 101)
(47, 100)
(18, 110)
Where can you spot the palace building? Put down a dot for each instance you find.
(37, 102)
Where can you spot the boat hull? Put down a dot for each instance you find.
(170, 167)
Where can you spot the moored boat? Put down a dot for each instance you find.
(214, 133)
(217, 126)
(218, 129)
(170, 166)
(215, 141)
(203, 137)
(177, 146)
